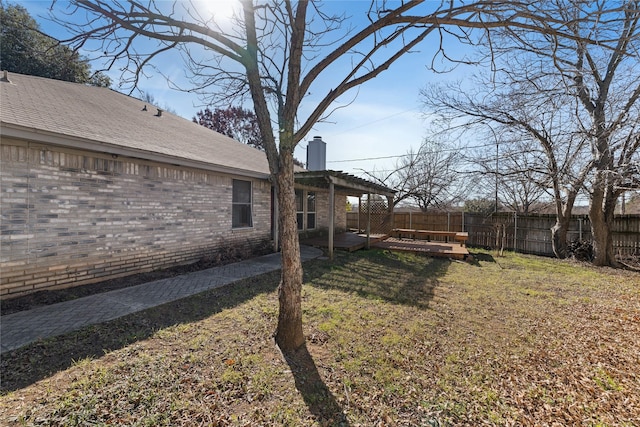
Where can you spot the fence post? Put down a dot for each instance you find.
(410, 220)
(580, 229)
(448, 221)
(515, 231)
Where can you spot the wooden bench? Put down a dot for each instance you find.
(460, 237)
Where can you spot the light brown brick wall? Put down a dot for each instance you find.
(322, 211)
(71, 217)
(341, 212)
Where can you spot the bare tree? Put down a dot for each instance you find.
(577, 99)
(429, 177)
(434, 178)
(521, 182)
(509, 169)
(276, 53)
(604, 79)
(235, 122)
(537, 140)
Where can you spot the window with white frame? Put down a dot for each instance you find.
(311, 210)
(300, 209)
(241, 204)
(306, 209)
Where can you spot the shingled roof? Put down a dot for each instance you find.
(103, 120)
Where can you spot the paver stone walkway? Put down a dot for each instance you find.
(25, 327)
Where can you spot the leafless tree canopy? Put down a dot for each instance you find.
(292, 45)
(575, 101)
(431, 178)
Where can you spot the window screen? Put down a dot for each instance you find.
(241, 212)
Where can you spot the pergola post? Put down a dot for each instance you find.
(368, 220)
(332, 214)
(360, 212)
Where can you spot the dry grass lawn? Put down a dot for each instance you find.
(392, 340)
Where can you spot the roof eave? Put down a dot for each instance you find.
(45, 137)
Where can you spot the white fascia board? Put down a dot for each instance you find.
(44, 137)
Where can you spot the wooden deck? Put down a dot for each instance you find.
(353, 242)
(436, 249)
(344, 241)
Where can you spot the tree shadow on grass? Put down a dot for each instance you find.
(41, 359)
(382, 274)
(484, 256)
(380, 270)
(317, 396)
(481, 257)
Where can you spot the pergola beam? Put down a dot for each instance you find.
(343, 182)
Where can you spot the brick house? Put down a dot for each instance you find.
(95, 184)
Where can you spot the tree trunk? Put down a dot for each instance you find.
(289, 336)
(601, 213)
(559, 236)
(560, 229)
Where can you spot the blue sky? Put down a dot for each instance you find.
(384, 121)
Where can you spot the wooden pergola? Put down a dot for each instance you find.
(348, 184)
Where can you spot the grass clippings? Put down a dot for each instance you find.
(392, 339)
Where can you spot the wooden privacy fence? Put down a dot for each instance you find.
(529, 233)
(532, 233)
